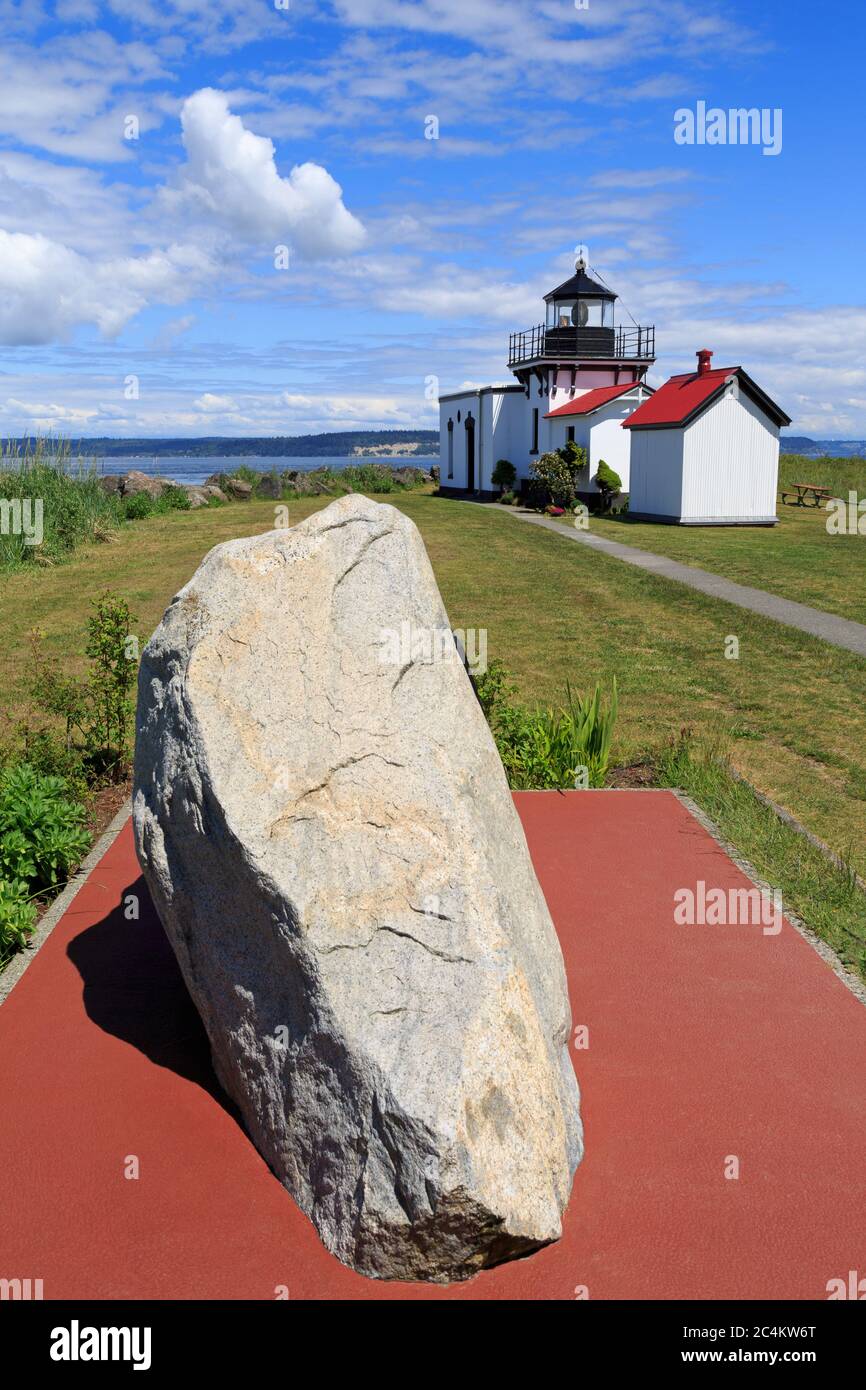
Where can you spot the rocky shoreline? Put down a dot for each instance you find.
(224, 487)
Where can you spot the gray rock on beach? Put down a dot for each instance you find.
(200, 494)
(128, 484)
(232, 487)
(327, 833)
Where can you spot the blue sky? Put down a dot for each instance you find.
(155, 156)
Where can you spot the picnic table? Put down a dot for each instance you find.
(807, 495)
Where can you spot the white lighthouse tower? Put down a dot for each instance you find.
(579, 374)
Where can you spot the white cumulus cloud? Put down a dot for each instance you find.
(47, 289)
(232, 178)
(210, 404)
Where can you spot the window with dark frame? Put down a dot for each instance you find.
(534, 449)
(570, 434)
(450, 448)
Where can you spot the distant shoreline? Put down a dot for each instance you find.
(423, 443)
(310, 461)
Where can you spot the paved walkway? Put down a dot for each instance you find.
(704, 1043)
(840, 632)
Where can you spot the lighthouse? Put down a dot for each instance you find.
(577, 375)
(580, 345)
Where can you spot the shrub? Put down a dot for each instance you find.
(574, 456)
(554, 476)
(368, 477)
(504, 475)
(138, 506)
(98, 708)
(554, 479)
(17, 917)
(42, 832)
(493, 688)
(49, 755)
(173, 499)
(42, 840)
(507, 499)
(75, 509)
(608, 483)
(142, 504)
(545, 748)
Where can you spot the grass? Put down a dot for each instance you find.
(797, 559)
(63, 506)
(554, 612)
(74, 507)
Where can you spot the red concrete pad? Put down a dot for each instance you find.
(704, 1042)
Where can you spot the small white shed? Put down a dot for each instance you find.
(705, 450)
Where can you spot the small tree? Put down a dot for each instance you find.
(608, 483)
(504, 475)
(574, 456)
(98, 707)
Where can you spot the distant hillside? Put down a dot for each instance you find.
(338, 444)
(821, 448)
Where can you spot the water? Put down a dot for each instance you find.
(196, 470)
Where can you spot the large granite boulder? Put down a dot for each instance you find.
(326, 830)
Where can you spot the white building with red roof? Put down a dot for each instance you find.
(578, 376)
(701, 450)
(705, 450)
(595, 419)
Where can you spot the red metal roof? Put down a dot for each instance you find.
(681, 398)
(593, 400)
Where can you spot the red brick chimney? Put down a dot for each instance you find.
(704, 355)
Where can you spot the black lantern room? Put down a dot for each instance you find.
(581, 303)
(579, 327)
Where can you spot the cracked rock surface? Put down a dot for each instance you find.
(327, 833)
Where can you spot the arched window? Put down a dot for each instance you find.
(450, 449)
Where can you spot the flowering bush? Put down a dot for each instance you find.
(554, 476)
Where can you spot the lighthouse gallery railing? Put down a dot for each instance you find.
(566, 343)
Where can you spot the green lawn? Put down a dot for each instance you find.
(794, 707)
(798, 559)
